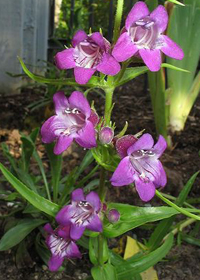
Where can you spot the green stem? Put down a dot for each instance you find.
(179, 209)
(180, 227)
(118, 18)
(108, 105)
(100, 249)
(102, 190)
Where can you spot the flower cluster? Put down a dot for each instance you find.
(73, 219)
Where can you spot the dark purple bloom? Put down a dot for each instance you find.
(83, 212)
(61, 246)
(106, 135)
(89, 53)
(113, 216)
(74, 120)
(142, 35)
(140, 165)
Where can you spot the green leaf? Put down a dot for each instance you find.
(129, 74)
(173, 67)
(176, 2)
(132, 217)
(136, 265)
(94, 249)
(56, 168)
(190, 239)
(87, 160)
(164, 226)
(36, 200)
(16, 234)
(93, 82)
(105, 272)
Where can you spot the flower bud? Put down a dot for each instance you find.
(106, 135)
(113, 216)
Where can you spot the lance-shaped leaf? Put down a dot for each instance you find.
(36, 200)
(16, 234)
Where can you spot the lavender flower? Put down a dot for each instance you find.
(106, 135)
(140, 165)
(142, 35)
(89, 53)
(61, 246)
(81, 213)
(74, 119)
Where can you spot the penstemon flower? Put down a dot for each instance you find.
(142, 35)
(74, 120)
(140, 165)
(83, 212)
(90, 53)
(61, 246)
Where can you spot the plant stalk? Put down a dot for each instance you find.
(118, 19)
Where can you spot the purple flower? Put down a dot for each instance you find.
(73, 120)
(61, 246)
(82, 213)
(140, 164)
(142, 35)
(106, 135)
(89, 53)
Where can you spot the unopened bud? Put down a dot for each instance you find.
(113, 216)
(106, 135)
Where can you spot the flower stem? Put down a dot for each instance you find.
(100, 249)
(179, 209)
(118, 18)
(108, 105)
(102, 190)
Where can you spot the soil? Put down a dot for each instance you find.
(132, 104)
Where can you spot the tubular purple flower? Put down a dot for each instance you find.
(74, 120)
(61, 246)
(142, 35)
(90, 53)
(140, 165)
(106, 135)
(83, 212)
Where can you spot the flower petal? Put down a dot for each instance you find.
(146, 190)
(79, 37)
(76, 231)
(124, 48)
(86, 137)
(48, 131)
(78, 100)
(160, 16)
(145, 142)
(63, 142)
(64, 215)
(48, 228)
(77, 195)
(98, 39)
(152, 58)
(108, 65)
(72, 251)
(94, 200)
(83, 75)
(160, 181)
(60, 102)
(55, 262)
(123, 175)
(65, 59)
(138, 11)
(171, 49)
(64, 232)
(160, 146)
(95, 224)
(93, 118)
(123, 143)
